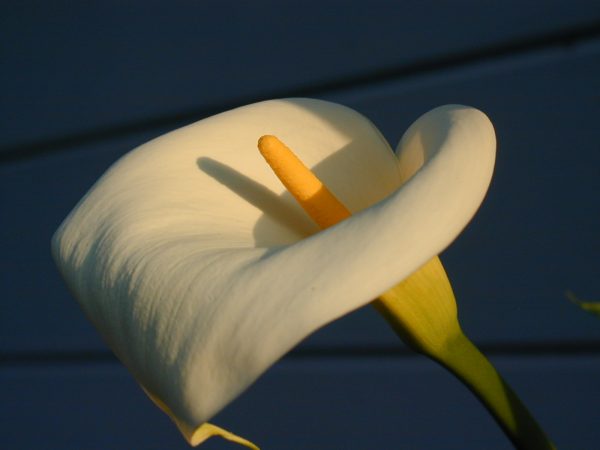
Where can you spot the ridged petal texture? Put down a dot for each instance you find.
(200, 271)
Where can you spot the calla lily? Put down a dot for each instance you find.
(200, 270)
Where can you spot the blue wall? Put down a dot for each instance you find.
(84, 82)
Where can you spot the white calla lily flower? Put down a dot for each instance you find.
(200, 270)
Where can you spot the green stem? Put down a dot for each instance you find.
(422, 311)
(469, 365)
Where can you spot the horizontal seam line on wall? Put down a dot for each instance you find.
(566, 37)
(533, 349)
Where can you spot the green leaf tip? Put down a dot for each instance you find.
(591, 307)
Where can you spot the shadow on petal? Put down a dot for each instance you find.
(278, 210)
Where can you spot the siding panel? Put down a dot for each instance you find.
(71, 68)
(535, 236)
(303, 404)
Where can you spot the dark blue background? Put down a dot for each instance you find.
(84, 82)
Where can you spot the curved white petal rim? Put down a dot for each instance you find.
(194, 264)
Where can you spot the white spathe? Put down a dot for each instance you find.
(197, 269)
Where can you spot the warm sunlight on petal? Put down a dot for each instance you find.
(200, 270)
